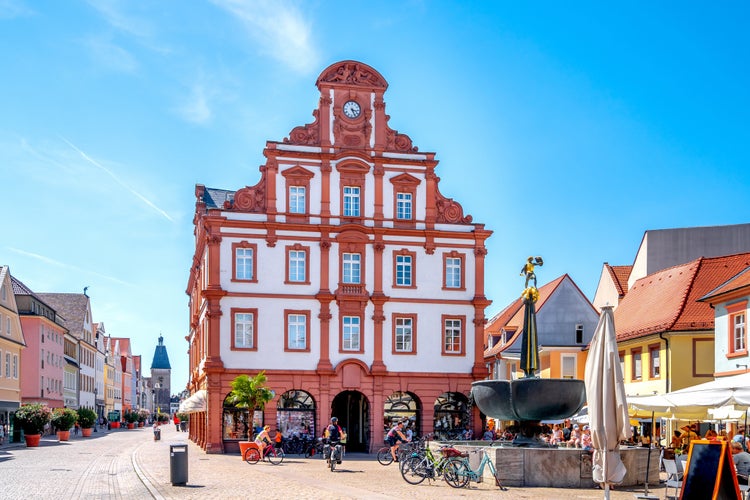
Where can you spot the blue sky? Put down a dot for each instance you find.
(567, 128)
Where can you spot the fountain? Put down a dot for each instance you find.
(530, 399)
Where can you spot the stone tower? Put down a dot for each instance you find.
(161, 373)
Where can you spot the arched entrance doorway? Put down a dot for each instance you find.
(295, 414)
(452, 414)
(353, 412)
(402, 406)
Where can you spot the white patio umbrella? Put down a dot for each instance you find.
(607, 404)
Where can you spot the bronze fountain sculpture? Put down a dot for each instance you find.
(530, 399)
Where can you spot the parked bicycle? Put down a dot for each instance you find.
(313, 447)
(424, 465)
(273, 454)
(405, 450)
(462, 473)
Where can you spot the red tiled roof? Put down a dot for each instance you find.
(511, 318)
(735, 283)
(620, 275)
(668, 300)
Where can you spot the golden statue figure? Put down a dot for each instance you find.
(528, 269)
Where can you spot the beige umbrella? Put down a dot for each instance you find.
(607, 404)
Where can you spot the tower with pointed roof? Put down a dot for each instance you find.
(161, 373)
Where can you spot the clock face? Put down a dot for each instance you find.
(351, 109)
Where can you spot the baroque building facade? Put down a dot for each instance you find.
(345, 274)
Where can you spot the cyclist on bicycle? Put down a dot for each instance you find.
(334, 432)
(263, 439)
(394, 437)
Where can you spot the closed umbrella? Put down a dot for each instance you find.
(607, 404)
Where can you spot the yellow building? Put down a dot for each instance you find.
(11, 344)
(665, 337)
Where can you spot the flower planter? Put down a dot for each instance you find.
(32, 440)
(63, 435)
(141, 424)
(86, 432)
(115, 425)
(131, 425)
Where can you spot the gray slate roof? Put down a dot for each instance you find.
(161, 359)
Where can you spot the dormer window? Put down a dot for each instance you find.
(297, 193)
(404, 199)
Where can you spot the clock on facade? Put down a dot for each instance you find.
(352, 109)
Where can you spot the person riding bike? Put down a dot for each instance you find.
(396, 436)
(263, 439)
(334, 432)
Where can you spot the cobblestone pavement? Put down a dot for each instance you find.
(131, 465)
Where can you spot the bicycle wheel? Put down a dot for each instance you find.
(455, 473)
(332, 461)
(384, 456)
(414, 470)
(276, 456)
(252, 455)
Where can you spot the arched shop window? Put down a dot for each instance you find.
(401, 406)
(295, 414)
(451, 415)
(237, 425)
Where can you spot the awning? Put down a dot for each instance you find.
(195, 403)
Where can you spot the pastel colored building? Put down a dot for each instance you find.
(11, 344)
(665, 335)
(345, 274)
(729, 302)
(42, 363)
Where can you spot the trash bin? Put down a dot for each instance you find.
(157, 433)
(178, 464)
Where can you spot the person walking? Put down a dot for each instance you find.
(177, 422)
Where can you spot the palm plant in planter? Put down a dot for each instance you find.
(131, 417)
(251, 393)
(86, 419)
(63, 419)
(32, 418)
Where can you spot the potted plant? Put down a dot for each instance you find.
(142, 416)
(252, 393)
(63, 419)
(86, 419)
(131, 417)
(32, 418)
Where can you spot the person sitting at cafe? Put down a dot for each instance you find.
(688, 434)
(741, 461)
(711, 435)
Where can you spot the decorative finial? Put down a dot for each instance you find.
(84, 290)
(530, 293)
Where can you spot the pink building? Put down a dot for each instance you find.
(43, 360)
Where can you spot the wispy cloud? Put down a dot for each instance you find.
(112, 11)
(111, 55)
(63, 265)
(278, 28)
(10, 9)
(117, 180)
(196, 107)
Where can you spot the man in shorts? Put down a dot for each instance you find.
(394, 437)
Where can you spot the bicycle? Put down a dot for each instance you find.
(312, 447)
(423, 465)
(464, 473)
(273, 454)
(402, 452)
(333, 454)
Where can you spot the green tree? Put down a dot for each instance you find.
(250, 392)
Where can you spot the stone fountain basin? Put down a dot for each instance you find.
(529, 398)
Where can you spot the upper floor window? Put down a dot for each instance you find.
(568, 365)
(351, 201)
(579, 334)
(351, 268)
(453, 335)
(244, 323)
(655, 362)
(453, 271)
(404, 333)
(297, 264)
(245, 261)
(403, 206)
(7, 365)
(637, 373)
(350, 334)
(297, 332)
(737, 328)
(404, 268)
(297, 203)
